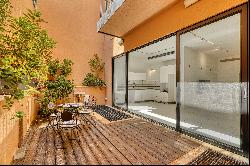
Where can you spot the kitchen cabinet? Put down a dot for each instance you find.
(131, 96)
(136, 76)
(146, 95)
(138, 95)
(165, 71)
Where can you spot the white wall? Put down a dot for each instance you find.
(222, 93)
(199, 66)
(229, 71)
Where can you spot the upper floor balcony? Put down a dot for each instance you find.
(118, 17)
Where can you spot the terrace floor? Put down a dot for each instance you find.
(130, 141)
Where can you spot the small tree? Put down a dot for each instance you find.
(96, 67)
(25, 49)
(57, 87)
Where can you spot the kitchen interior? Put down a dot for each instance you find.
(152, 81)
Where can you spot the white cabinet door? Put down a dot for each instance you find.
(148, 94)
(164, 74)
(138, 95)
(136, 76)
(164, 71)
(131, 96)
(144, 95)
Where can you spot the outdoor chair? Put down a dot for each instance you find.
(86, 101)
(52, 121)
(68, 120)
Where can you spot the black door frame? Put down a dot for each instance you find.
(243, 9)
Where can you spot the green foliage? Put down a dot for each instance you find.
(19, 114)
(92, 80)
(25, 49)
(56, 68)
(5, 11)
(54, 65)
(96, 67)
(66, 67)
(58, 86)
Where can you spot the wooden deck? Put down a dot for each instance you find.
(131, 141)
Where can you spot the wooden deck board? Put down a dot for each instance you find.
(131, 141)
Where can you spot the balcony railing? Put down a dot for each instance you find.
(111, 7)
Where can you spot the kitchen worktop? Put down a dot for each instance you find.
(143, 87)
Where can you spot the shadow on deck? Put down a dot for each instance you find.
(131, 141)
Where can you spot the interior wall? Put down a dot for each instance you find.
(153, 73)
(175, 18)
(200, 66)
(229, 71)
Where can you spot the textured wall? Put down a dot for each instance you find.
(73, 25)
(175, 18)
(9, 128)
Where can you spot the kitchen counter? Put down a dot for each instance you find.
(143, 87)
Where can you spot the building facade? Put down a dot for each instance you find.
(72, 24)
(185, 65)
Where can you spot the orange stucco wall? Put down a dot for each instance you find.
(73, 25)
(175, 18)
(10, 134)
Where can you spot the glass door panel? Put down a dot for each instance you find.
(119, 81)
(210, 83)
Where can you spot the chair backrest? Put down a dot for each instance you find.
(94, 101)
(66, 116)
(86, 98)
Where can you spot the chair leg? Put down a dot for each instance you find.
(77, 135)
(60, 134)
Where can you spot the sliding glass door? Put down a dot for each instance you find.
(209, 64)
(120, 81)
(210, 80)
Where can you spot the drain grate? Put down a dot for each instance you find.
(211, 157)
(109, 113)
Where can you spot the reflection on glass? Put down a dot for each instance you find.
(152, 81)
(210, 80)
(119, 82)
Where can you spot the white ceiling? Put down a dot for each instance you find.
(221, 38)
